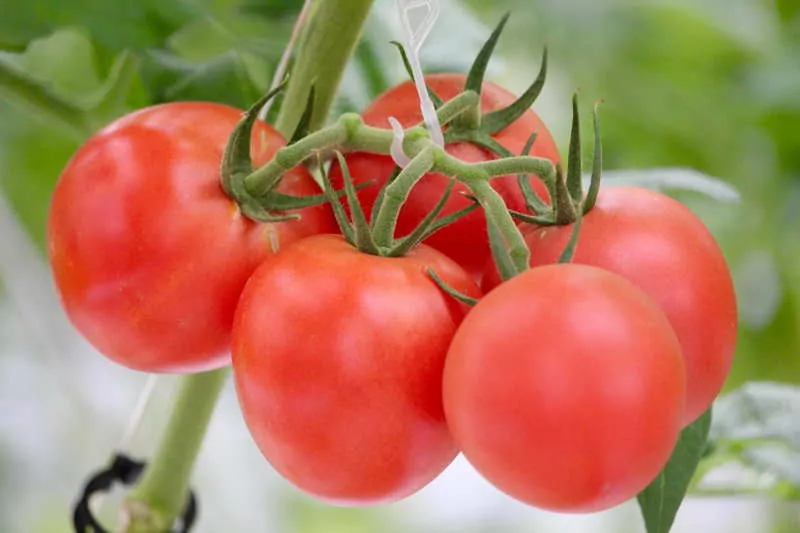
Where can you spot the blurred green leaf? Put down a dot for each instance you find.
(33, 151)
(271, 9)
(223, 79)
(116, 24)
(660, 501)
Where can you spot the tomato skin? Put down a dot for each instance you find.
(338, 359)
(662, 247)
(565, 388)
(148, 253)
(465, 241)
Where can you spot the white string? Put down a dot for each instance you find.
(283, 64)
(415, 37)
(100, 501)
(138, 412)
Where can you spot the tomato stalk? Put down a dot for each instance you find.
(327, 44)
(162, 493)
(569, 202)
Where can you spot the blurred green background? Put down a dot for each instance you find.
(709, 84)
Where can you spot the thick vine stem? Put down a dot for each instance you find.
(158, 499)
(327, 44)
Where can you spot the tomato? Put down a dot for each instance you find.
(148, 253)
(661, 246)
(465, 241)
(565, 388)
(338, 358)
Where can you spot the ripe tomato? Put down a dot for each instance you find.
(338, 358)
(148, 253)
(661, 246)
(465, 241)
(565, 388)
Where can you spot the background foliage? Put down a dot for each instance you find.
(711, 85)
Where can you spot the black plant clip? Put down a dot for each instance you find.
(126, 471)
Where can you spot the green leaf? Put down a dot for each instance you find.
(660, 501)
(56, 78)
(65, 60)
(223, 79)
(271, 9)
(686, 179)
(116, 24)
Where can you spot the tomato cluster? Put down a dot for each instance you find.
(361, 376)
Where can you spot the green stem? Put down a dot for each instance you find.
(496, 210)
(261, 181)
(396, 194)
(461, 104)
(27, 92)
(329, 41)
(159, 498)
(541, 167)
(348, 133)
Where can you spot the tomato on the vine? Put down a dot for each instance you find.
(565, 388)
(465, 241)
(662, 247)
(338, 358)
(148, 253)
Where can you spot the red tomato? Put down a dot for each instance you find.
(465, 241)
(338, 358)
(565, 388)
(148, 253)
(661, 246)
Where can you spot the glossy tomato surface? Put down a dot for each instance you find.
(148, 253)
(662, 247)
(565, 388)
(338, 359)
(465, 241)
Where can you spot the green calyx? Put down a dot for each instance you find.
(376, 235)
(473, 124)
(237, 164)
(569, 203)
